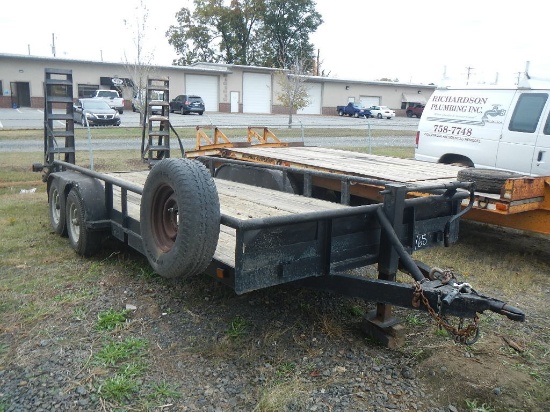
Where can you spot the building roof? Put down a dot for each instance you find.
(216, 68)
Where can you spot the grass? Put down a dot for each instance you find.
(43, 282)
(119, 388)
(281, 131)
(113, 353)
(282, 396)
(473, 406)
(237, 328)
(111, 319)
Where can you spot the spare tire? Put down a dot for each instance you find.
(486, 180)
(180, 217)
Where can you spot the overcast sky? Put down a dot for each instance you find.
(414, 41)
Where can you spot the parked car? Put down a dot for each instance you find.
(381, 111)
(112, 98)
(186, 104)
(139, 100)
(415, 110)
(353, 109)
(97, 111)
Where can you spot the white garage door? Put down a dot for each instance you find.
(314, 97)
(256, 93)
(368, 101)
(205, 87)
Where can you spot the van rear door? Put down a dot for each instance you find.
(516, 148)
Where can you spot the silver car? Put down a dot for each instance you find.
(95, 112)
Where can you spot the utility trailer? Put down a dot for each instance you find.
(187, 222)
(521, 202)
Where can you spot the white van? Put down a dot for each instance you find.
(496, 128)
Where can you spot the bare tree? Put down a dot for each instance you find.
(140, 67)
(294, 94)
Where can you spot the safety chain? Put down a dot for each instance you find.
(467, 335)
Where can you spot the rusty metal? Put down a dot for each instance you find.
(218, 138)
(264, 137)
(467, 335)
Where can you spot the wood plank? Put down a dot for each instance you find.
(225, 250)
(354, 163)
(236, 199)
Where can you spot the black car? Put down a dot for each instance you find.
(97, 111)
(186, 104)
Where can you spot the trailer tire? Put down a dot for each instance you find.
(486, 180)
(84, 241)
(56, 202)
(180, 218)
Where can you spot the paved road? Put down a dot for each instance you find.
(26, 118)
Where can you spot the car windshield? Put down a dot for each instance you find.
(95, 105)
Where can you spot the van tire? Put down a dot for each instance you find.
(486, 180)
(180, 218)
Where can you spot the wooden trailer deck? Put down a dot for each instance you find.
(524, 203)
(351, 163)
(237, 200)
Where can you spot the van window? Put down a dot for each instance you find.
(527, 112)
(547, 125)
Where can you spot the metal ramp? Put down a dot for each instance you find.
(155, 138)
(59, 126)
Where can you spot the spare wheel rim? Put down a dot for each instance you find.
(165, 218)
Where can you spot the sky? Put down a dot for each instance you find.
(414, 41)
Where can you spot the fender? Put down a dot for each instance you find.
(90, 189)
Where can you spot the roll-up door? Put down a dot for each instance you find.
(314, 97)
(368, 101)
(205, 87)
(256, 93)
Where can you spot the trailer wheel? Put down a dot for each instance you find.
(56, 202)
(84, 241)
(180, 217)
(487, 180)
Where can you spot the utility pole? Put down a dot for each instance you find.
(317, 63)
(53, 44)
(468, 74)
